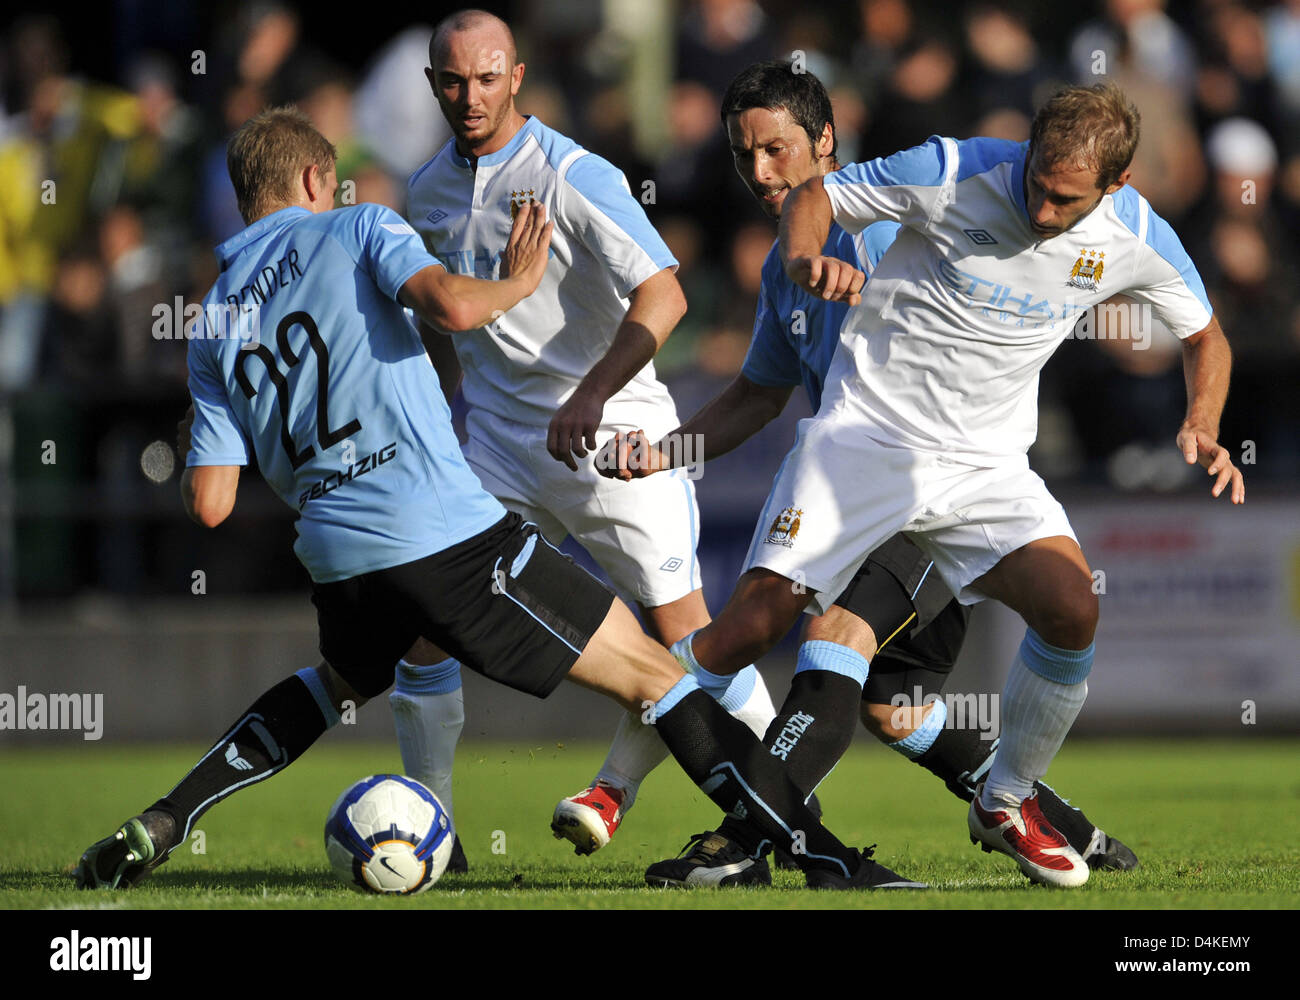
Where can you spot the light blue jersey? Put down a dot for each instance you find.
(796, 333)
(304, 355)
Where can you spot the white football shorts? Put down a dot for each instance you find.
(643, 533)
(839, 494)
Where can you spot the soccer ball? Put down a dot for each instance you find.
(388, 834)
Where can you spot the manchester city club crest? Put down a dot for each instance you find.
(785, 527)
(518, 199)
(1086, 273)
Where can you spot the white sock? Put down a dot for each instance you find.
(429, 712)
(636, 751)
(746, 698)
(1037, 713)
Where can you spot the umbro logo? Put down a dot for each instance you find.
(672, 565)
(980, 237)
(436, 216)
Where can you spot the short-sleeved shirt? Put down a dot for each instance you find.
(304, 361)
(796, 333)
(526, 363)
(958, 319)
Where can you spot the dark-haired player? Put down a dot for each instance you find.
(930, 407)
(896, 612)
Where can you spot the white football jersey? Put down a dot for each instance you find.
(525, 364)
(968, 304)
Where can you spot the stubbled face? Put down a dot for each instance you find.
(475, 85)
(1060, 194)
(773, 154)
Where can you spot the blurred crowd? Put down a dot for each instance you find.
(113, 188)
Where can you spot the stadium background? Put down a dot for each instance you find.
(98, 592)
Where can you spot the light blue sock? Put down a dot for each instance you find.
(1044, 691)
(685, 654)
(820, 654)
(731, 691)
(1062, 666)
(436, 678)
(429, 714)
(920, 739)
(314, 684)
(675, 694)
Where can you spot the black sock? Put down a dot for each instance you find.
(962, 759)
(1073, 824)
(737, 772)
(273, 733)
(810, 733)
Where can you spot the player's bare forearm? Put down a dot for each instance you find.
(1207, 366)
(655, 308)
(455, 302)
(727, 421)
(208, 492)
(805, 221)
(805, 224)
(442, 353)
(735, 415)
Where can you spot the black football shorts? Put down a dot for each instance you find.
(918, 623)
(505, 603)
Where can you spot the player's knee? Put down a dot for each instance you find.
(424, 653)
(669, 622)
(340, 691)
(843, 628)
(1071, 620)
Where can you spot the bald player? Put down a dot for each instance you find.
(546, 384)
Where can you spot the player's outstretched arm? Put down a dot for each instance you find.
(454, 302)
(805, 224)
(728, 420)
(656, 306)
(1207, 365)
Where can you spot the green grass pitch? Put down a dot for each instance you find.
(1214, 823)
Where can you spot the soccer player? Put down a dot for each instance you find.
(333, 394)
(929, 408)
(566, 368)
(782, 133)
